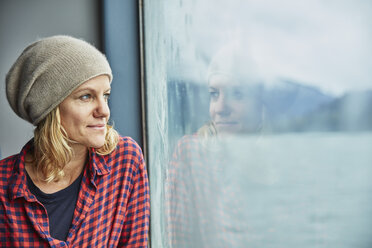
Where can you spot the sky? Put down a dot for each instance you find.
(322, 43)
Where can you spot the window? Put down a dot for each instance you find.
(259, 122)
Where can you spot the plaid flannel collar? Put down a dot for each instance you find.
(18, 184)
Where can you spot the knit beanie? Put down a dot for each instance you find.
(48, 71)
(234, 61)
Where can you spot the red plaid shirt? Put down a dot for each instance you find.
(112, 210)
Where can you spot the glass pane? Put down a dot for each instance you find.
(259, 122)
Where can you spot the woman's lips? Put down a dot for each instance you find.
(97, 127)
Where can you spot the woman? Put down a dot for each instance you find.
(209, 169)
(236, 104)
(77, 183)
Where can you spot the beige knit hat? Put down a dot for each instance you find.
(48, 71)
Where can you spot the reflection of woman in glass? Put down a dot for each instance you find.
(203, 199)
(236, 105)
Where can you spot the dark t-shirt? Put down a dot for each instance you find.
(60, 206)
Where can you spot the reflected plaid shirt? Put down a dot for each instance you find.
(201, 200)
(194, 217)
(112, 210)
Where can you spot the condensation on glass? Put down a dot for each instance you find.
(259, 122)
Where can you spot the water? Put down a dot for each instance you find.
(312, 190)
(294, 190)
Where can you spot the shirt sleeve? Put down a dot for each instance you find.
(136, 223)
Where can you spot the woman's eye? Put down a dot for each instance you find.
(85, 97)
(237, 94)
(214, 95)
(106, 96)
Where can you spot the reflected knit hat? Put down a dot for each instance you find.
(48, 71)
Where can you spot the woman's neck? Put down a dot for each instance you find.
(72, 170)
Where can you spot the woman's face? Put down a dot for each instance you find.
(234, 107)
(85, 112)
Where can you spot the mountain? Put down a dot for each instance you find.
(350, 112)
(287, 101)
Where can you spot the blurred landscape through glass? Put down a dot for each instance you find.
(260, 120)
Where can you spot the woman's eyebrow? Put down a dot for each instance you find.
(91, 89)
(83, 89)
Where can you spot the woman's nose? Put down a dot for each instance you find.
(102, 109)
(222, 106)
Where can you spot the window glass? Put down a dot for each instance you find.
(259, 122)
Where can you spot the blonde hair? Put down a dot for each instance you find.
(52, 150)
(208, 135)
(207, 131)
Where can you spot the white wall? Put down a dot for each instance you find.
(22, 22)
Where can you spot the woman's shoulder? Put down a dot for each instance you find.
(7, 168)
(14, 162)
(189, 139)
(127, 150)
(193, 142)
(127, 143)
(6, 163)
